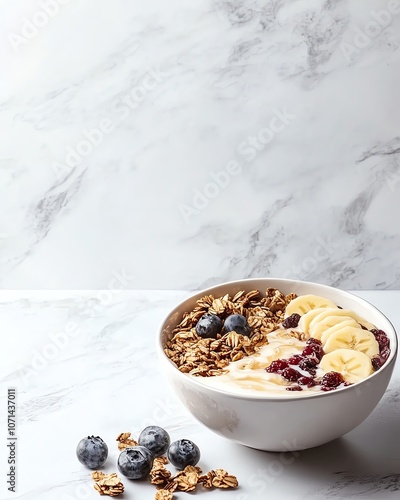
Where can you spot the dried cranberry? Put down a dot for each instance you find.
(332, 379)
(291, 374)
(385, 352)
(309, 363)
(277, 366)
(377, 362)
(382, 340)
(294, 388)
(375, 331)
(313, 341)
(313, 349)
(308, 381)
(326, 389)
(292, 321)
(295, 359)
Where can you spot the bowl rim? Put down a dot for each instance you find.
(292, 397)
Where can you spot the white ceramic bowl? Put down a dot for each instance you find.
(280, 423)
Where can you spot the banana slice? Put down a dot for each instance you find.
(305, 303)
(340, 312)
(305, 320)
(341, 324)
(353, 365)
(349, 337)
(319, 328)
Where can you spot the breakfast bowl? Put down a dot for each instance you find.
(284, 420)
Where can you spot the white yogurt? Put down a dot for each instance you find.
(248, 376)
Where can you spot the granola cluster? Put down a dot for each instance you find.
(125, 441)
(107, 484)
(187, 479)
(207, 357)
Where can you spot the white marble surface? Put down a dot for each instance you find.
(106, 380)
(184, 90)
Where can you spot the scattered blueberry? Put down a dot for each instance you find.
(183, 453)
(92, 451)
(237, 323)
(208, 326)
(135, 462)
(291, 321)
(156, 439)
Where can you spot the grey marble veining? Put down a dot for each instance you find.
(186, 144)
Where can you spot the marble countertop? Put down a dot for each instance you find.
(85, 363)
(253, 137)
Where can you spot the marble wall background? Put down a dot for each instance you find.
(178, 144)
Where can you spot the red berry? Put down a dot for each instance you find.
(332, 379)
(313, 341)
(294, 388)
(375, 331)
(277, 366)
(326, 389)
(376, 362)
(382, 340)
(295, 359)
(313, 349)
(308, 381)
(291, 321)
(308, 365)
(291, 374)
(385, 353)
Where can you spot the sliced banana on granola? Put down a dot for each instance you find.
(304, 303)
(349, 337)
(353, 365)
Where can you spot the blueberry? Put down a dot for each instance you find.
(92, 452)
(237, 323)
(135, 462)
(156, 439)
(183, 453)
(208, 326)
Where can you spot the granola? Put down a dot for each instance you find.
(125, 441)
(159, 475)
(107, 484)
(207, 357)
(164, 495)
(218, 478)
